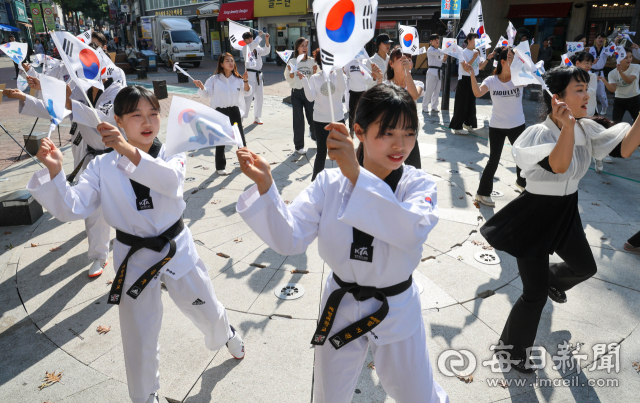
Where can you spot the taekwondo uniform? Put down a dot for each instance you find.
(598, 68)
(144, 204)
(434, 79)
(256, 81)
(370, 255)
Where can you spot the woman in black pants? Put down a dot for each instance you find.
(507, 119)
(317, 90)
(464, 109)
(226, 90)
(545, 219)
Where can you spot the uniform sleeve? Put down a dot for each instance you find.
(533, 145)
(405, 224)
(287, 76)
(163, 176)
(33, 107)
(264, 51)
(603, 140)
(67, 203)
(287, 230)
(308, 84)
(208, 89)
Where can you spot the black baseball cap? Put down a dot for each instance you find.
(383, 38)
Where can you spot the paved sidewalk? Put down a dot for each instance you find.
(50, 309)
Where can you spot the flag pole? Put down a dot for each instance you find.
(330, 98)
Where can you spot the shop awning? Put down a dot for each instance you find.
(555, 10)
(8, 28)
(409, 13)
(238, 11)
(209, 10)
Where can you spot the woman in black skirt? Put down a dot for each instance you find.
(554, 156)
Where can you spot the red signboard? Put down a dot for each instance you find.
(238, 11)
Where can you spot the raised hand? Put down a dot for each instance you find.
(256, 168)
(562, 112)
(50, 156)
(245, 76)
(300, 75)
(340, 149)
(34, 83)
(199, 84)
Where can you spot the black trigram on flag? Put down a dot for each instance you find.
(233, 39)
(67, 47)
(109, 71)
(414, 48)
(366, 17)
(480, 19)
(86, 35)
(327, 58)
(400, 32)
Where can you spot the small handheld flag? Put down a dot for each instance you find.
(285, 55)
(54, 96)
(16, 51)
(619, 54)
(574, 47)
(409, 40)
(511, 33)
(565, 60)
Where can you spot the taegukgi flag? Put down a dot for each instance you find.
(193, 125)
(235, 35)
(475, 21)
(564, 59)
(83, 63)
(451, 48)
(409, 39)
(85, 37)
(343, 28)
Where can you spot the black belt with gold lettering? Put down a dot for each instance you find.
(156, 243)
(357, 329)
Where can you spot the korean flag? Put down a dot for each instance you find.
(83, 63)
(343, 27)
(565, 60)
(85, 37)
(409, 39)
(235, 35)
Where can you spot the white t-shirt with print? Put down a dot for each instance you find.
(468, 55)
(625, 90)
(507, 110)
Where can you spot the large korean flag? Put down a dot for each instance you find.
(475, 21)
(235, 35)
(193, 125)
(343, 27)
(409, 39)
(83, 63)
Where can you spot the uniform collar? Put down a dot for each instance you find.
(579, 135)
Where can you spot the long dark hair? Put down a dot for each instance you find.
(220, 69)
(557, 79)
(395, 54)
(388, 104)
(127, 99)
(504, 53)
(297, 45)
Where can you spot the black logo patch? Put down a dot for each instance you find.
(74, 127)
(362, 253)
(78, 139)
(144, 204)
(106, 107)
(198, 302)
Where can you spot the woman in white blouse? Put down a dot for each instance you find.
(544, 219)
(300, 104)
(226, 89)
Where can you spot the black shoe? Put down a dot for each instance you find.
(520, 367)
(556, 295)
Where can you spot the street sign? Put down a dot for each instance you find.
(451, 9)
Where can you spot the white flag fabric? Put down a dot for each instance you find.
(16, 51)
(524, 52)
(511, 33)
(574, 47)
(482, 43)
(502, 42)
(85, 37)
(409, 39)
(83, 63)
(538, 75)
(108, 68)
(422, 51)
(250, 61)
(451, 48)
(178, 68)
(564, 59)
(235, 35)
(22, 83)
(475, 21)
(610, 49)
(362, 55)
(521, 74)
(285, 55)
(54, 96)
(619, 54)
(193, 125)
(343, 28)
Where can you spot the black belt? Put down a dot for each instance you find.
(359, 328)
(440, 69)
(258, 72)
(156, 243)
(90, 151)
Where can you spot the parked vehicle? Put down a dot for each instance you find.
(174, 40)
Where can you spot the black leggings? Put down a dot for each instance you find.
(537, 275)
(496, 144)
(321, 140)
(235, 117)
(622, 105)
(464, 109)
(301, 106)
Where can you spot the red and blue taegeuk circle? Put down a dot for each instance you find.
(186, 116)
(341, 20)
(407, 40)
(90, 63)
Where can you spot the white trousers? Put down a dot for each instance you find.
(403, 367)
(601, 94)
(431, 93)
(257, 94)
(140, 321)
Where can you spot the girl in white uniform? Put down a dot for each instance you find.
(226, 89)
(256, 81)
(399, 73)
(435, 58)
(369, 299)
(140, 190)
(545, 218)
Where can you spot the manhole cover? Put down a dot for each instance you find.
(420, 287)
(497, 193)
(289, 291)
(190, 179)
(487, 257)
(453, 171)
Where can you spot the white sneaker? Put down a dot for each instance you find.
(599, 166)
(257, 121)
(235, 345)
(153, 398)
(468, 128)
(461, 132)
(301, 151)
(486, 200)
(97, 267)
(608, 159)
(221, 172)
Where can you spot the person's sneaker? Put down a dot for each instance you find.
(556, 295)
(301, 151)
(468, 128)
(460, 132)
(630, 248)
(221, 172)
(608, 159)
(97, 267)
(153, 398)
(599, 166)
(235, 345)
(258, 121)
(486, 200)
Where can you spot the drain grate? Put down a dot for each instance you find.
(497, 193)
(289, 291)
(487, 257)
(190, 179)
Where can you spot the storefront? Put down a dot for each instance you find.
(240, 12)
(18, 18)
(285, 21)
(210, 29)
(607, 17)
(164, 7)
